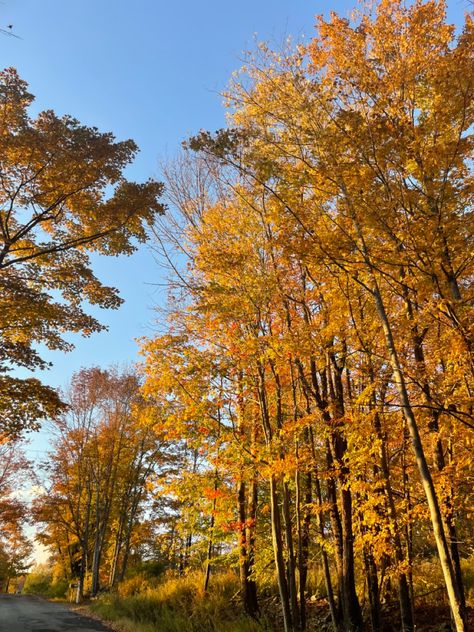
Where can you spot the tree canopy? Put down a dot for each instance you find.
(63, 196)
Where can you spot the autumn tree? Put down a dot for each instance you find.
(98, 473)
(15, 547)
(63, 196)
(314, 386)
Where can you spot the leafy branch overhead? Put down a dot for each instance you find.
(62, 196)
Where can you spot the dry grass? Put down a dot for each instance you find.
(177, 605)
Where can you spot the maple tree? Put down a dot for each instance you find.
(63, 196)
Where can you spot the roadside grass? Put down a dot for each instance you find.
(148, 604)
(177, 605)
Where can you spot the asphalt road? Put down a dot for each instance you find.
(23, 613)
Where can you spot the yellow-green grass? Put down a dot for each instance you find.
(178, 605)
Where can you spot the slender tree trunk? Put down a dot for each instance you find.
(290, 555)
(303, 520)
(82, 575)
(404, 594)
(96, 558)
(444, 553)
(352, 614)
(250, 537)
(116, 554)
(437, 448)
(187, 549)
(327, 573)
(247, 512)
(302, 479)
(96, 554)
(290, 551)
(319, 396)
(210, 544)
(408, 528)
(248, 586)
(279, 557)
(373, 590)
(442, 545)
(277, 540)
(336, 526)
(129, 528)
(84, 550)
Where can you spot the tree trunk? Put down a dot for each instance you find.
(290, 555)
(82, 575)
(247, 512)
(116, 554)
(437, 449)
(404, 594)
(279, 558)
(290, 551)
(303, 528)
(373, 590)
(351, 612)
(277, 541)
(452, 587)
(248, 586)
(210, 544)
(327, 573)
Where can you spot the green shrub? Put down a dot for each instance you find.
(58, 589)
(41, 581)
(149, 569)
(467, 567)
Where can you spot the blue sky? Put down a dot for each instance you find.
(151, 71)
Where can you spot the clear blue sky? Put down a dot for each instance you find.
(150, 70)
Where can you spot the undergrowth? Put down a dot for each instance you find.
(144, 604)
(178, 605)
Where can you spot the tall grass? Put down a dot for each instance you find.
(179, 605)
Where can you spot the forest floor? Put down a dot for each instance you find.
(428, 618)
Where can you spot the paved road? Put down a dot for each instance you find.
(20, 613)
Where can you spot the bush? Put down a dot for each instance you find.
(40, 581)
(149, 568)
(58, 589)
(133, 586)
(467, 567)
